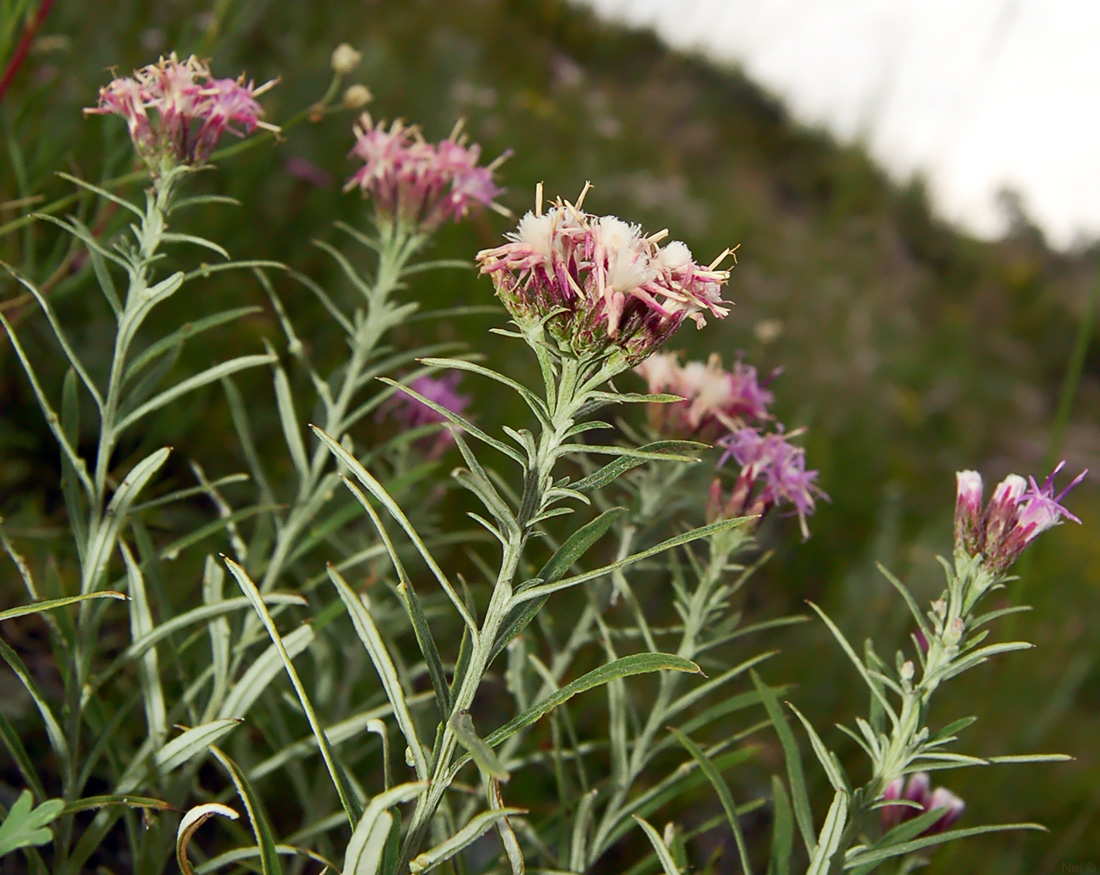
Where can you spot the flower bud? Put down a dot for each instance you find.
(345, 59)
(357, 96)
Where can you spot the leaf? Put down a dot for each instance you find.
(663, 853)
(463, 726)
(625, 666)
(191, 821)
(540, 590)
(182, 334)
(217, 372)
(460, 421)
(575, 546)
(824, 756)
(104, 538)
(26, 827)
(537, 405)
(261, 828)
(875, 687)
(53, 728)
(428, 648)
(376, 649)
(363, 855)
(723, 791)
(782, 831)
(378, 491)
(831, 832)
(284, 401)
(864, 858)
(141, 623)
(53, 604)
(799, 796)
(508, 838)
(470, 833)
(336, 771)
(192, 742)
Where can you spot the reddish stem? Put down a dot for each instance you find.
(24, 45)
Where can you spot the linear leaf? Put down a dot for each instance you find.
(364, 850)
(141, 623)
(831, 832)
(864, 858)
(824, 756)
(336, 771)
(723, 791)
(799, 796)
(470, 833)
(636, 663)
(379, 492)
(664, 855)
(53, 604)
(365, 628)
(181, 335)
(217, 372)
(575, 546)
(541, 590)
(191, 821)
(261, 827)
(191, 742)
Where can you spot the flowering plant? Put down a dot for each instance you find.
(404, 656)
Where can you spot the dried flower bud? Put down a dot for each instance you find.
(357, 96)
(345, 59)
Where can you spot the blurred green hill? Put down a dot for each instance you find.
(909, 350)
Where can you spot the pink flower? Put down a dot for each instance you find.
(1019, 511)
(413, 413)
(773, 472)
(715, 400)
(598, 284)
(918, 789)
(192, 111)
(418, 184)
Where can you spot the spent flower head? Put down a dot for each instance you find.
(918, 790)
(1018, 512)
(773, 473)
(417, 184)
(716, 401)
(177, 111)
(599, 285)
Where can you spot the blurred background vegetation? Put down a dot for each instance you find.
(909, 350)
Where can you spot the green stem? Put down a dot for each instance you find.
(398, 246)
(573, 385)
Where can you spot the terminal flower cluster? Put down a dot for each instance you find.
(1018, 512)
(716, 401)
(191, 110)
(773, 472)
(418, 184)
(598, 284)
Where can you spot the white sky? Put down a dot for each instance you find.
(978, 94)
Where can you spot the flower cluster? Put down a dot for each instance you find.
(918, 789)
(716, 401)
(192, 111)
(411, 412)
(1017, 513)
(597, 284)
(773, 472)
(417, 184)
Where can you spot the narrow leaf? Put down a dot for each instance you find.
(466, 836)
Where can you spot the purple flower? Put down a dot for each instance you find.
(192, 110)
(715, 400)
(412, 413)
(773, 472)
(598, 284)
(918, 789)
(417, 184)
(1018, 512)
